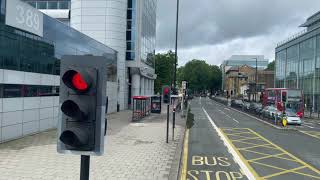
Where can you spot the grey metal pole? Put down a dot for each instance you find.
(173, 122)
(176, 49)
(168, 111)
(256, 79)
(85, 167)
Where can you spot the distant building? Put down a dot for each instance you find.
(298, 62)
(241, 60)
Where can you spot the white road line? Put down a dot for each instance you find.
(236, 157)
(227, 109)
(307, 123)
(309, 126)
(235, 120)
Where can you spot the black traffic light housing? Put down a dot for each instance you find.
(82, 103)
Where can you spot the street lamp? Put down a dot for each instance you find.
(256, 79)
(176, 50)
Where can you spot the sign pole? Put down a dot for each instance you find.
(85, 167)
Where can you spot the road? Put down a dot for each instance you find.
(224, 143)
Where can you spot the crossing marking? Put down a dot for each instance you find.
(263, 157)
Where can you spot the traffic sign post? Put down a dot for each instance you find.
(81, 125)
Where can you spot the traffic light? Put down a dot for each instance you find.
(83, 105)
(166, 94)
(284, 96)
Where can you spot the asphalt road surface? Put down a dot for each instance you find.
(227, 144)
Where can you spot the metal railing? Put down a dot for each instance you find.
(295, 36)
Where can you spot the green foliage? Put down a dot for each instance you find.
(164, 69)
(200, 75)
(271, 66)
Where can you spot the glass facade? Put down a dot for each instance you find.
(298, 66)
(250, 62)
(131, 30)
(23, 51)
(148, 31)
(42, 4)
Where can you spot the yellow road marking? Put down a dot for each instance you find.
(234, 134)
(185, 156)
(245, 139)
(284, 172)
(260, 145)
(289, 154)
(253, 172)
(266, 155)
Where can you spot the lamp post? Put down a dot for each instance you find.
(256, 79)
(176, 50)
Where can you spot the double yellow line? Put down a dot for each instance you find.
(183, 175)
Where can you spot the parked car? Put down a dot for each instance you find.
(237, 103)
(292, 117)
(255, 108)
(246, 106)
(269, 112)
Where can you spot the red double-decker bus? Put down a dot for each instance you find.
(284, 98)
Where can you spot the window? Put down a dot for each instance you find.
(53, 5)
(63, 5)
(12, 91)
(42, 5)
(33, 4)
(130, 46)
(30, 91)
(130, 55)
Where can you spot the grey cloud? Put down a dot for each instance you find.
(211, 22)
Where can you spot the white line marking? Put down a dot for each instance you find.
(255, 118)
(235, 120)
(227, 109)
(309, 126)
(308, 123)
(245, 169)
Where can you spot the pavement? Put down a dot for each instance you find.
(227, 144)
(132, 151)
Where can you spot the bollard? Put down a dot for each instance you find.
(173, 122)
(168, 111)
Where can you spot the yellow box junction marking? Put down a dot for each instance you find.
(185, 156)
(257, 141)
(315, 134)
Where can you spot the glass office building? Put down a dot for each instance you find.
(298, 62)
(29, 73)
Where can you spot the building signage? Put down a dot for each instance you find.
(23, 16)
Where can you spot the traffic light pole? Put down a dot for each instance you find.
(85, 167)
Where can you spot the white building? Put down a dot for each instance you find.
(129, 27)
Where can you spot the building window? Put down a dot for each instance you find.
(53, 5)
(42, 5)
(64, 5)
(130, 55)
(12, 91)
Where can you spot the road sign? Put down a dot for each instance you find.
(82, 102)
(184, 84)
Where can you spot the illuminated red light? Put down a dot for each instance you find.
(78, 82)
(166, 90)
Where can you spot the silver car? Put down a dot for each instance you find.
(292, 117)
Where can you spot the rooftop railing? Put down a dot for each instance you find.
(295, 36)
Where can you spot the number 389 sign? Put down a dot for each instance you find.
(24, 16)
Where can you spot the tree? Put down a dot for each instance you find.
(164, 67)
(271, 66)
(200, 75)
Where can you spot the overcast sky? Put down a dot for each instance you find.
(213, 30)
